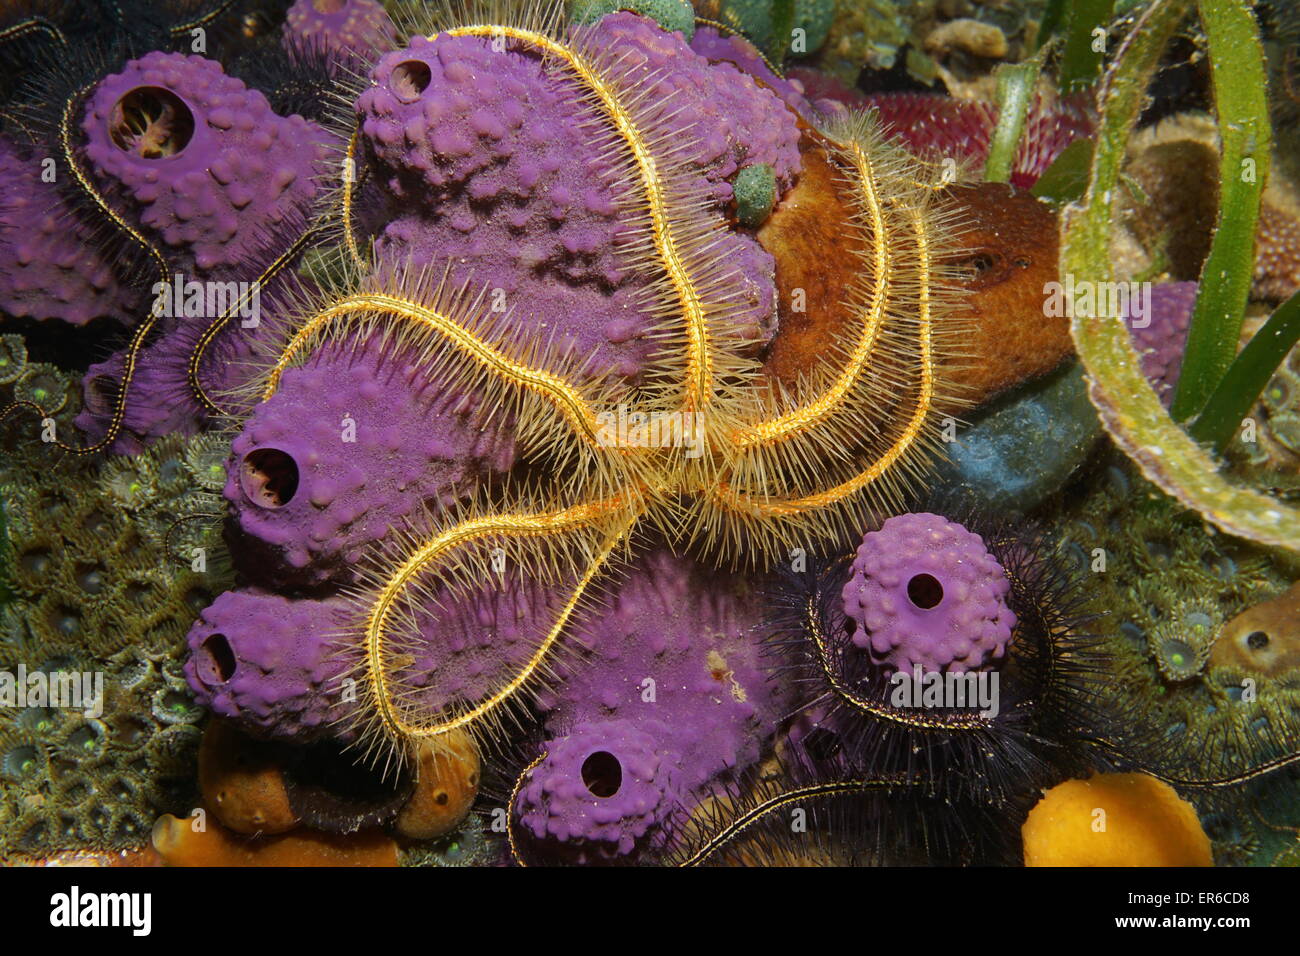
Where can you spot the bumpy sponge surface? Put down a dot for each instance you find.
(50, 267)
(925, 592)
(600, 793)
(350, 445)
(349, 28)
(266, 661)
(200, 161)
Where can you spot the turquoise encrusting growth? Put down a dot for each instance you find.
(589, 432)
(1024, 447)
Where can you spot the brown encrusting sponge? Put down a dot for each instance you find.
(1008, 258)
(180, 842)
(241, 781)
(1002, 254)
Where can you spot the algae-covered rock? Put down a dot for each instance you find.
(873, 33)
(670, 14)
(757, 19)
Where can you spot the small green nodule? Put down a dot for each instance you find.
(755, 189)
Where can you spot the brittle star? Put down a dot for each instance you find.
(782, 464)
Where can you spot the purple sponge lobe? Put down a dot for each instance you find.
(925, 592)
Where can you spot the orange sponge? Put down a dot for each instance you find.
(1114, 819)
(240, 779)
(179, 843)
(445, 788)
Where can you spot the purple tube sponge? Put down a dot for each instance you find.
(709, 43)
(352, 444)
(267, 662)
(159, 402)
(460, 131)
(660, 694)
(49, 267)
(200, 162)
(601, 795)
(460, 648)
(925, 592)
(495, 162)
(671, 675)
(350, 29)
(734, 121)
(264, 666)
(1161, 336)
(676, 649)
(426, 128)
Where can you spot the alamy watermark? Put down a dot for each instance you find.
(177, 298)
(75, 909)
(1098, 300)
(950, 690)
(62, 690)
(625, 428)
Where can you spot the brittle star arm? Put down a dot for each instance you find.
(307, 236)
(919, 719)
(575, 409)
(752, 816)
(146, 326)
(793, 423)
(763, 507)
(203, 19)
(619, 508)
(36, 24)
(699, 367)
